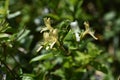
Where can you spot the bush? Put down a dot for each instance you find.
(59, 40)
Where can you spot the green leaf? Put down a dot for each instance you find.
(93, 50)
(42, 57)
(82, 58)
(99, 66)
(22, 34)
(59, 72)
(69, 36)
(27, 77)
(42, 75)
(4, 35)
(56, 17)
(110, 16)
(3, 26)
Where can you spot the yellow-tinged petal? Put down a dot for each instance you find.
(88, 31)
(92, 34)
(46, 36)
(86, 25)
(48, 23)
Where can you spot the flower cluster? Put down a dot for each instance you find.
(76, 30)
(50, 35)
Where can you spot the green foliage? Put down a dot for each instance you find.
(65, 60)
(56, 40)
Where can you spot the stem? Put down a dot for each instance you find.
(61, 47)
(13, 73)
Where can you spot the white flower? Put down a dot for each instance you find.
(75, 29)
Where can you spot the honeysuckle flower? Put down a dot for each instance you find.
(48, 25)
(75, 29)
(88, 31)
(50, 35)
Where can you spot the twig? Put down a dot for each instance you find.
(8, 68)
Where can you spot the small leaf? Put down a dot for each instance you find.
(59, 72)
(22, 34)
(99, 66)
(93, 50)
(42, 75)
(109, 16)
(4, 35)
(4, 26)
(42, 57)
(27, 77)
(69, 36)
